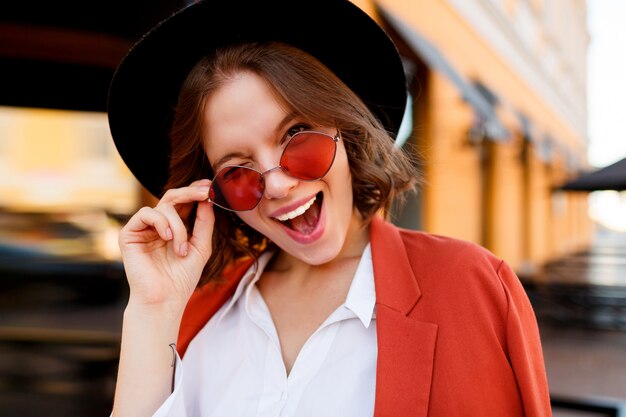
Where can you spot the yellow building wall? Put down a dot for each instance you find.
(540, 211)
(452, 192)
(505, 212)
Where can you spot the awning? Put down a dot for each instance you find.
(612, 177)
(485, 111)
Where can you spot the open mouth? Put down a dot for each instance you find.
(304, 219)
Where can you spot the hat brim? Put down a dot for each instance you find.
(145, 86)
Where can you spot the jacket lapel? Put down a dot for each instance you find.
(406, 345)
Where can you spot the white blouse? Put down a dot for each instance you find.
(234, 366)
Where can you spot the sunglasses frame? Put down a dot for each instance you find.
(335, 139)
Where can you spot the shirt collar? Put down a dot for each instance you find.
(252, 275)
(361, 298)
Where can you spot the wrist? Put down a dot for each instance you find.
(167, 312)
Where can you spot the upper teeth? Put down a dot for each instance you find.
(298, 211)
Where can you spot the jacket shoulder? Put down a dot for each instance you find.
(447, 250)
(455, 271)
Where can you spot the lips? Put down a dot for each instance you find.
(305, 222)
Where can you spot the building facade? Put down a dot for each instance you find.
(499, 120)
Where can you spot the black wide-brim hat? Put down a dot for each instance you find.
(145, 87)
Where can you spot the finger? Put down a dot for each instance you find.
(202, 235)
(185, 198)
(190, 194)
(200, 183)
(177, 227)
(147, 218)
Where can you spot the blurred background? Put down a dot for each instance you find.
(517, 111)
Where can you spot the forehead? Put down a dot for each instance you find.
(244, 110)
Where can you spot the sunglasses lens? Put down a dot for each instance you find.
(308, 156)
(237, 188)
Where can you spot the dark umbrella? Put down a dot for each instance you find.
(612, 177)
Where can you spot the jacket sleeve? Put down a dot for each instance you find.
(524, 346)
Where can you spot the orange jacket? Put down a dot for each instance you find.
(457, 336)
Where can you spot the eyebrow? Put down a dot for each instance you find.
(279, 127)
(226, 157)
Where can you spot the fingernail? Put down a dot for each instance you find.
(168, 233)
(183, 249)
(203, 190)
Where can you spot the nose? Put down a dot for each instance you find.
(277, 183)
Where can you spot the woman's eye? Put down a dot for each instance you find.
(297, 128)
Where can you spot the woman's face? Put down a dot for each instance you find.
(244, 124)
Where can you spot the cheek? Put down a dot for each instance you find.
(344, 174)
(254, 220)
(344, 181)
(248, 217)
(340, 188)
(341, 164)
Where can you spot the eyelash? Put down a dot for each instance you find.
(300, 127)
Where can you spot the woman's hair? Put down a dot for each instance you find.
(380, 173)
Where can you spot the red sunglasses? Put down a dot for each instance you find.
(307, 156)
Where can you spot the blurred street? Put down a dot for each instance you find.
(580, 302)
(585, 364)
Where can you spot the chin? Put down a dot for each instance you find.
(316, 256)
(323, 250)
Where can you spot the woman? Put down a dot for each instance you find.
(285, 291)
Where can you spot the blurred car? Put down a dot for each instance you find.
(52, 257)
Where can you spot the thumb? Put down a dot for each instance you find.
(202, 235)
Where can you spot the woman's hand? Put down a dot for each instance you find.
(162, 259)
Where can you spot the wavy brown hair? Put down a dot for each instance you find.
(380, 173)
